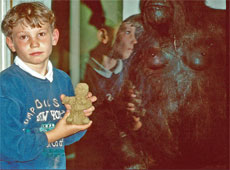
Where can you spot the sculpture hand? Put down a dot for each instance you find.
(132, 103)
(132, 99)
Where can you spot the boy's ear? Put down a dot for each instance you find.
(102, 36)
(10, 44)
(55, 36)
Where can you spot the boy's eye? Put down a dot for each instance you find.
(41, 34)
(23, 37)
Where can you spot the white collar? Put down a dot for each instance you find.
(27, 69)
(100, 69)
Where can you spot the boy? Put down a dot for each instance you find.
(32, 117)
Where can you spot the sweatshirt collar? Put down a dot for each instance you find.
(23, 66)
(99, 68)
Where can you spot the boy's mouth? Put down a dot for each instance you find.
(36, 53)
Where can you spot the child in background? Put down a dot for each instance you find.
(32, 116)
(104, 71)
(107, 140)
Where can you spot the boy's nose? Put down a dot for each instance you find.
(134, 40)
(34, 43)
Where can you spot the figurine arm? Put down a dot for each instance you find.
(67, 99)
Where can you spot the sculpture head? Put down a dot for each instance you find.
(162, 16)
(81, 89)
(157, 12)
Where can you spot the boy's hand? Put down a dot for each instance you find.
(68, 129)
(62, 129)
(89, 111)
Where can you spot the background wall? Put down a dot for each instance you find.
(5, 59)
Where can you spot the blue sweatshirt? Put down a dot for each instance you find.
(29, 107)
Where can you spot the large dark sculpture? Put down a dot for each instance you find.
(179, 67)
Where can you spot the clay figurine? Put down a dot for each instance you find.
(78, 103)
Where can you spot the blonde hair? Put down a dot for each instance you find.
(33, 14)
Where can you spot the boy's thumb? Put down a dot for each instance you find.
(67, 113)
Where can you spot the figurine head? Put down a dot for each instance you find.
(81, 89)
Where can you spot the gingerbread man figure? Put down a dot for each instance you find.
(78, 103)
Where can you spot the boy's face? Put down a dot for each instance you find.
(125, 41)
(33, 45)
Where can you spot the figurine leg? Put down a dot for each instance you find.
(86, 120)
(83, 119)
